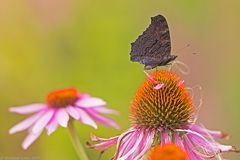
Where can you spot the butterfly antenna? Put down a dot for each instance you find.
(187, 46)
(180, 49)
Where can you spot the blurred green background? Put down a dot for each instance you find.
(52, 44)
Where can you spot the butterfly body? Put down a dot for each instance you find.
(153, 47)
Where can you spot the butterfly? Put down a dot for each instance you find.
(153, 47)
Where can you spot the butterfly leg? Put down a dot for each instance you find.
(148, 67)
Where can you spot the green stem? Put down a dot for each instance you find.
(76, 142)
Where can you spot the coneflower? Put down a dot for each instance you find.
(61, 108)
(162, 112)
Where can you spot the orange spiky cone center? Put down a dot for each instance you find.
(168, 152)
(169, 107)
(62, 98)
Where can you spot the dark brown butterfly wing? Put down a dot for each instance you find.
(153, 47)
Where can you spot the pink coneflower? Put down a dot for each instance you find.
(60, 106)
(161, 113)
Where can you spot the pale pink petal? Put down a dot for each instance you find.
(106, 110)
(104, 145)
(30, 139)
(84, 95)
(200, 145)
(28, 108)
(127, 143)
(121, 140)
(73, 112)
(101, 119)
(25, 123)
(98, 139)
(42, 122)
(206, 132)
(90, 102)
(146, 146)
(141, 147)
(86, 119)
(227, 148)
(180, 83)
(150, 78)
(206, 146)
(165, 138)
(159, 86)
(210, 146)
(197, 153)
(62, 117)
(190, 150)
(52, 126)
(178, 141)
(138, 140)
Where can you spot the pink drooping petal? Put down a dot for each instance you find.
(211, 146)
(136, 152)
(227, 148)
(105, 144)
(28, 108)
(165, 138)
(99, 140)
(86, 119)
(140, 147)
(206, 146)
(73, 112)
(146, 145)
(137, 140)
(178, 141)
(198, 152)
(42, 122)
(30, 139)
(101, 119)
(120, 141)
(51, 126)
(189, 149)
(25, 123)
(62, 117)
(127, 143)
(206, 132)
(106, 110)
(159, 86)
(90, 102)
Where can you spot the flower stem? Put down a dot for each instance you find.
(76, 142)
